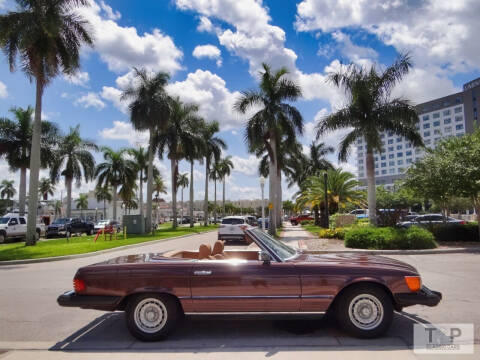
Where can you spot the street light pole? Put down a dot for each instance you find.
(262, 186)
(326, 223)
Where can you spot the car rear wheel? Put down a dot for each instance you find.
(2, 238)
(365, 311)
(151, 317)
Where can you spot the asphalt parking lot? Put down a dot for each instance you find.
(30, 318)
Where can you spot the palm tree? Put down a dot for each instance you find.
(370, 111)
(149, 110)
(127, 194)
(174, 139)
(45, 188)
(158, 187)
(115, 171)
(140, 157)
(47, 35)
(342, 189)
(183, 183)
(226, 165)
(103, 193)
(82, 203)
(275, 119)
(73, 160)
(16, 143)
(7, 190)
(215, 174)
(57, 205)
(212, 149)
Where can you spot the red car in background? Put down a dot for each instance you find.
(295, 220)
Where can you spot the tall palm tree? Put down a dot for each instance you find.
(175, 138)
(103, 193)
(149, 110)
(127, 194)
(45, 188)
(275, 119)
(73, 160)
(16, 143)
(7, 190)
(82, 203)
(370, 111)
(47, 36)
(212, 149)
(140, 157)
(342, 189)
(215, 174)
(158, 187)
(226, 165)
(183, 183)
(115, 171)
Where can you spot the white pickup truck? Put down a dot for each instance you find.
(13, 226)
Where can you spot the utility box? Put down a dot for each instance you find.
(135, 224)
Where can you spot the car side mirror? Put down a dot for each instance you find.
(265, 257)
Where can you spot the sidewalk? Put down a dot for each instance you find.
(299, 238)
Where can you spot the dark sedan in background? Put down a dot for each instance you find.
(68, 226)
(429, 219)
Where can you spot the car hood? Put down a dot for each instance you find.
(354, 260)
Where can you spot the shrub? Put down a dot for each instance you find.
(338, 233)
(467, 232)
(342, 220)
(306, 222)
(370, 237)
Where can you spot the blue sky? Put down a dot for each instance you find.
(213, 50)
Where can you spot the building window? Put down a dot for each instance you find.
(437, 132)
(446, 112)
(360, 154)
(436, 115)
(408, 145)
(436, 123)
(391, 163)
(426, 133)
(409, 161)
(400, 170)
(458, 109)
(408, 153)
(427, 141)
(458, 118)
(384, 172)
(376, 172)
(391, 156)
(399, 139)
(399, 147)
(390, 141)
(384, 164)
(361, 167)
(390, 133)
(390, 148)
(400, 162)
(399, 154)
(426, 117)
(459, 127)
(426, 126)
(447, 121)
(391, 171)
(383, 157)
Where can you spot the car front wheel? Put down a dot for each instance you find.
(365, 311)
(151, 317)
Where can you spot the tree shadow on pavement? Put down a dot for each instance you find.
(220, 333)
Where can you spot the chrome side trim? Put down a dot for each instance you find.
(259, 313)
(317, 296)
(246, 297)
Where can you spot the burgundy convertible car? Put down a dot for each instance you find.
(156, 289)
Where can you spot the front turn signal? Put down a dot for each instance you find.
(414, 283)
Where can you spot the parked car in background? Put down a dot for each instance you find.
(69, 226)
(233, 228)
(251, 220)
(360, 213)
(360, 291)
(110, 225)
(430, 219)
(15, 227)
(295, 220)
(260, 220)
(185, 220)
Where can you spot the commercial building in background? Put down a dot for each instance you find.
(452, 115)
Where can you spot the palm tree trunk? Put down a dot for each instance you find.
(114, 201)
(174, 191)
(34, 167)
(191, 194)
(148, 227)
(104, 209)
(272, 187)
(22, 193)
(223, 198)
(279, 198)
(205, 204)
(181, 209)
(68, 182)
(140, 197)
(215, 202)
(372, 212)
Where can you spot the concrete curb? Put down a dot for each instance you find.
(397, 252)
(94, 253)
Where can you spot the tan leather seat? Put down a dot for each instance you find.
(217, 251)
(204, 251)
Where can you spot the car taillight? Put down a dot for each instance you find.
(463, 222)
(79, 285)
(414, 283)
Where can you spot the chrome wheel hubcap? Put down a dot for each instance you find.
(150, 315)
(365, 312)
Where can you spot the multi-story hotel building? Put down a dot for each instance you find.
(452, 115)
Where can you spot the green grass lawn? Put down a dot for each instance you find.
(313, 229)
(85, 244)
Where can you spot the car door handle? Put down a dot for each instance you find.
(202, 272)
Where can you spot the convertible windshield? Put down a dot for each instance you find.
(277, 247)
(4, 220)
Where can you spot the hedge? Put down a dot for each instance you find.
(389, 238)
(467, 232)
(337, 233)
(306, 222)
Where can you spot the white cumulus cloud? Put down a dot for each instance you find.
(208, 51)
(90, 99)
(3, 90)
(122, 130)
(79, 78)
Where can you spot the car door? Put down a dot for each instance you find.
(13, 227)
(22, 226)
(244, 286)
